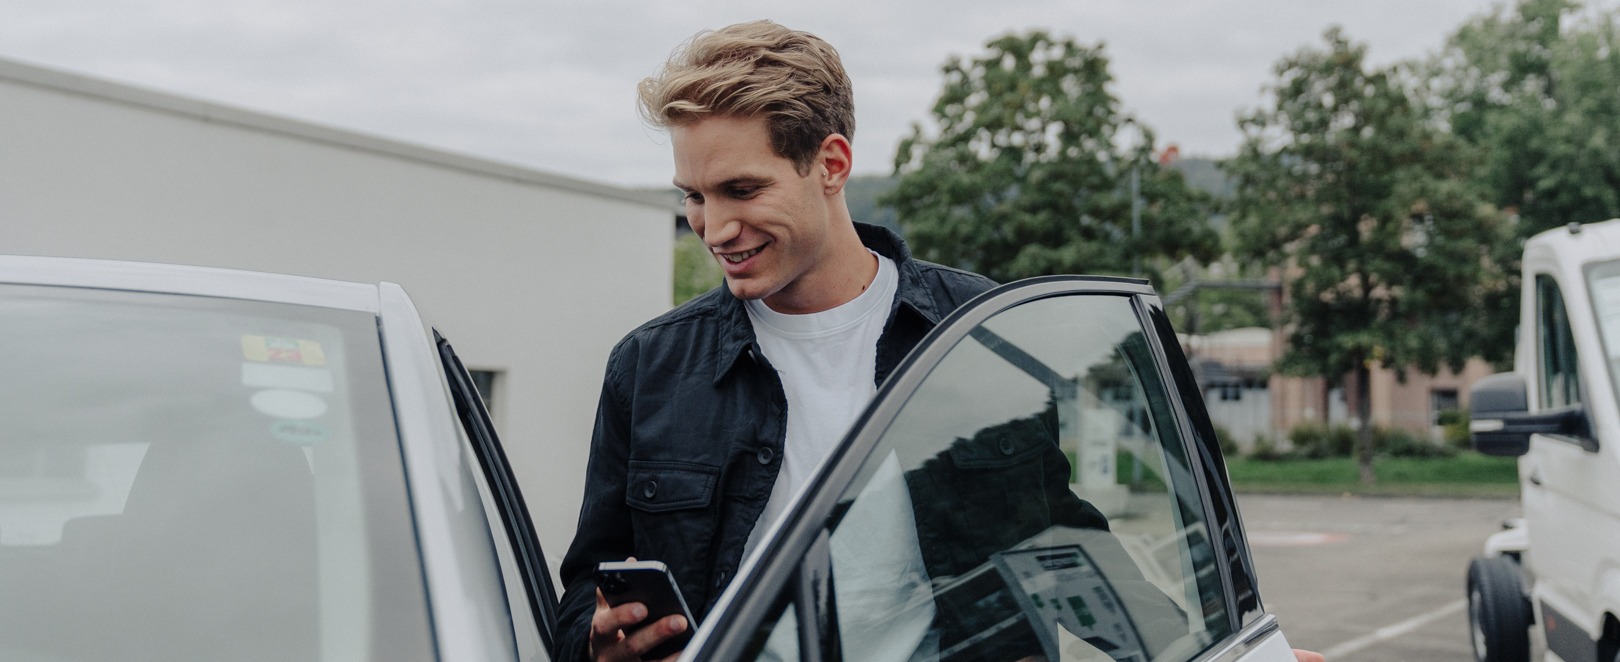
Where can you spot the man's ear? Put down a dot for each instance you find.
(833, 163)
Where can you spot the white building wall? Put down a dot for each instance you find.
(529, 274)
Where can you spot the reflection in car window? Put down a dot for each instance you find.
(1031, 499)
(1560, 371)
(198, 478)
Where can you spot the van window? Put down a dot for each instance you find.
(1559, 376)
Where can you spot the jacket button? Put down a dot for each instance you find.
(649, 489)
(719, 580)
(1006, 446)
(766, 455)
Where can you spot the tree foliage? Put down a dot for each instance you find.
(1543, 104)
(1025, 176)
(1367, 206)
(1537, 91)
(695, 270)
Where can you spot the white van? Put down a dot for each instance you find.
(1559, 568)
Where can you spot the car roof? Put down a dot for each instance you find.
(188, 280)
(1579, 243)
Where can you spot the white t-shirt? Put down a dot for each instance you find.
(827, 362)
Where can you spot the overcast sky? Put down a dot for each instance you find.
(550, 85)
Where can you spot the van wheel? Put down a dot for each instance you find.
(1498, 612)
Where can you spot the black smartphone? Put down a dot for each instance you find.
(651, 584)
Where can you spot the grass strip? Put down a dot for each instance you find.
(1467, 474)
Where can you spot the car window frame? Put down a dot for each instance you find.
(784, 556)
(521, 535)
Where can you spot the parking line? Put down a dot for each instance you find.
(1392, 631)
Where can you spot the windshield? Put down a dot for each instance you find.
(1603, 282)
(198, 478)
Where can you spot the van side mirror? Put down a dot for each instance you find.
(1500, 422)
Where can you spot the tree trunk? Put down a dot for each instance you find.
(1364, 428)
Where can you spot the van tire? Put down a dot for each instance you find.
(1498, 612)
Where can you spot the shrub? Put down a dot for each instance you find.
(1314, 441)
(1229, 446)
(1400, 443)
(1455, 424)
(1266, 450)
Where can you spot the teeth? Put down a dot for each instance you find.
(735, 258)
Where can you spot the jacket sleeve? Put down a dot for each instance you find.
(604, 531)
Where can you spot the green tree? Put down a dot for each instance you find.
(1025, 175)
(1538, 93)
(695, 270)
(1367, 206)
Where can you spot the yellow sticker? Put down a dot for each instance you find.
(311, 352)
(253, 349)
(270, 349)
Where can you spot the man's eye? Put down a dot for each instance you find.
(744, 192)
(693, 197)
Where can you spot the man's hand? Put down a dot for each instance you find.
(1307, 656)
(609, 643)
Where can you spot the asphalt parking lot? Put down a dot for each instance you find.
(1370, 578)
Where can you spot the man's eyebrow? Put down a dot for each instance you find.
(745, 180)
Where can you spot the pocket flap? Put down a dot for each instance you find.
(991, 449)
(659, 486)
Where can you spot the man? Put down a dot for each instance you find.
(712, 414)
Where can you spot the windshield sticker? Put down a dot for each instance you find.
(266, 375)
(283, 403)
(271, 349)
(1606, 295)
(302, 433)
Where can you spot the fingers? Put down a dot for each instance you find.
(645, 639)
(608, 642)
(1308, 656)
(608, 624)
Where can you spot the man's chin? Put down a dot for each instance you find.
(746, 289)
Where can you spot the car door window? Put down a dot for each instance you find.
(530, 594)
(1032, 497)
(1560, 376)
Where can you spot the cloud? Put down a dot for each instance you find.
(551, 85)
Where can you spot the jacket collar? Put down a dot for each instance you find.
(736, 337)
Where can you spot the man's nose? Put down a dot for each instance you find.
(721, 225)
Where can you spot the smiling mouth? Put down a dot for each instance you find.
(737, 258)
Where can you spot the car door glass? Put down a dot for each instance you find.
(1560, 375)
(1032, 498)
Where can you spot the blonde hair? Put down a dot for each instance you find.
(759, 69)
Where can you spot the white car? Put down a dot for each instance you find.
(1558, 567)
(207, 464)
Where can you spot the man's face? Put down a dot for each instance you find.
(766, 225)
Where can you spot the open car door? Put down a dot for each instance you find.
(1039, 479)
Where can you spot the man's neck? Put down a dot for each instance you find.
(847, 271)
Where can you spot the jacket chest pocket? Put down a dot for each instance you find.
(672, 506)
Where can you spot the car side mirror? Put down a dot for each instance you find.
(1500, 422)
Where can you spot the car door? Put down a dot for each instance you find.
(1038, 480)
(531, 596)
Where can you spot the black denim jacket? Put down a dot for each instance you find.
(689, 434)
